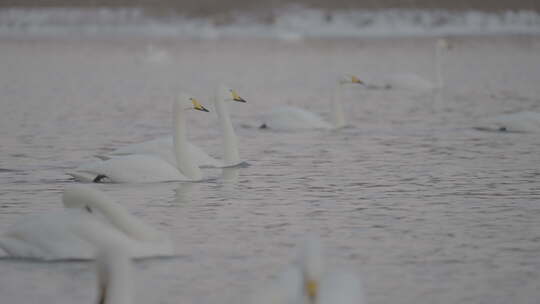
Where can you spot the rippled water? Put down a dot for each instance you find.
(423, 206)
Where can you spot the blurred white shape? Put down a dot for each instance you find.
(307, 281)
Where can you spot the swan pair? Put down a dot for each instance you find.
(64, 235)
(165, 159)
(306, 281)
(289, 118)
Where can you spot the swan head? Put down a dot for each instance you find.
(227, 94)
(83, 196)
(350, 79)
(188, 102)
(310, 259)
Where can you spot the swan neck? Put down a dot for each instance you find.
(114, 278)
(337, 108)
(230, 141)
(438, 66)
(185, 164)
(124, 221)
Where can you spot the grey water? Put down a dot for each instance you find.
(423, 206)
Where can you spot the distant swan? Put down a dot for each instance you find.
(139, 168)
(52, 236)
(163, 147)
(289, 118)
(519, 122)
(306, 281)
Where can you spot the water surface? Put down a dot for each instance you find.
(423, 206)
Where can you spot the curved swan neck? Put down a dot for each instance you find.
(337, 108)
(124, 221)
(184, 162)
(230, 141)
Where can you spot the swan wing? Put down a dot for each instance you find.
(293, 118)
(148, 147)
(47, 237)
(163, 148)
(129, 169)
(202, 158)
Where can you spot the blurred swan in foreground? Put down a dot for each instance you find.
(519, 122)
(163, 147)
(137, 168)
(306, 281)
(289, 118)
(114, 275)
(113, 265)
(53, 236)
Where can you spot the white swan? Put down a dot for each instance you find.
(163, 147)
(52, 236)
(518, 122)
(289, 118)
(139, 168)
(306, 281)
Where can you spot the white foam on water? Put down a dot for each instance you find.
(291, 23)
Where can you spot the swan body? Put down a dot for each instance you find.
(293, 118)
(289, 118)
(136, 168)
(57, 235)
(163, 147)
(306, 281)
(141, 168)
(519, 122)
(409, 81)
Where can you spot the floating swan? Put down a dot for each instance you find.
(307, 282)
(519, 122)
(163, 147)
(289, 118)
(52, 236)
(139, 168)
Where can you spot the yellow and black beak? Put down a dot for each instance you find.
(237, 97)
(355, 79)
(198, 106)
